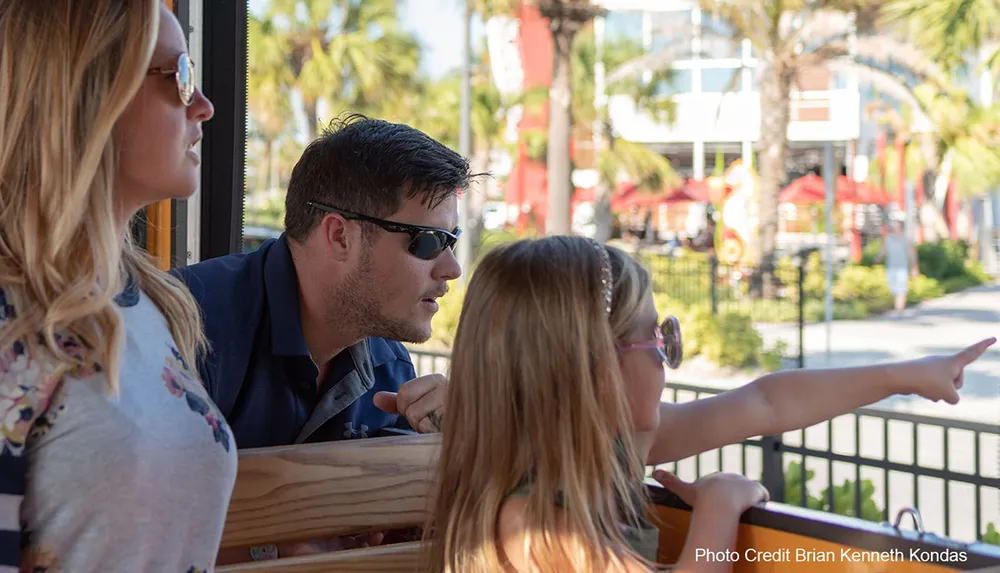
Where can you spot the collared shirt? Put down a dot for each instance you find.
(259, 370)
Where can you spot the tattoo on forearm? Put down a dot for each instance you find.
(436, 420)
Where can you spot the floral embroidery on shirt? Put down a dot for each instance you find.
(72, 347)
(178, 380)
(56, 408)
(24, 394)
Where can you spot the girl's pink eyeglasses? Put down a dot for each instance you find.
(667, 342)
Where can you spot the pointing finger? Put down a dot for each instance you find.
(973, 352)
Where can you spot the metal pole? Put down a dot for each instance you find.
(463, 248)
(830, 179)
(803, 258)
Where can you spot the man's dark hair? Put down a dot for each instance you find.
(370, 166)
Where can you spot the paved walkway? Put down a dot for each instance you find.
(941, 326)
(944, 325)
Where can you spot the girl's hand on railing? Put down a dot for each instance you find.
(721, 490)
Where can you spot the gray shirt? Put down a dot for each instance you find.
(137, 482)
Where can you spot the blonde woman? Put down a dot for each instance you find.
(554, 406)
(113, 458)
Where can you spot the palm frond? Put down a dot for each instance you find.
(828, 24)
(947, 30)
(652, 170)
(882, 81)
(651, 61)
(748, 18)
(887, 50)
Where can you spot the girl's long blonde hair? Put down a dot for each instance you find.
(536, 392)
(70, 69)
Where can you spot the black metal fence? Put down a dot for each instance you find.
(775, 296)
(883, 458)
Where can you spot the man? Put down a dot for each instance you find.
(304, 331)
(900, 262)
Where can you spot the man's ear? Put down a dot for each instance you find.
(339, 236)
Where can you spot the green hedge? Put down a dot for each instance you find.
(843, 499)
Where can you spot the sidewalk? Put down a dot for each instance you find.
(943, 325)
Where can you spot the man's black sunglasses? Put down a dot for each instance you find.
(425, 242)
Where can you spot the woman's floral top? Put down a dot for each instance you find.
(95, 482)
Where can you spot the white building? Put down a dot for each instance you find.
(715, 90)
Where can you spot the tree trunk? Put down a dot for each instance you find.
(274, 154)
(261, 180)
(311, 108)
(477, 201)
(603, 141)
(560, 124)
(775, 115)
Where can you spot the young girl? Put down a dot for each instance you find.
(112, 455)
(554, 406)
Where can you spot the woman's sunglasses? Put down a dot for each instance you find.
(667, 343)
(425, 242)
(183, 73)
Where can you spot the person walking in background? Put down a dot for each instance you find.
(900, 262)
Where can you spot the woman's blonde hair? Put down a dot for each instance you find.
(70, 69)
(536, 393)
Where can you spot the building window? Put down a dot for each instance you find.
(719, 80)
(717, 39)
(680, 82)
(624, 24)
(669, 28)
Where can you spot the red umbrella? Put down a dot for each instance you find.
(811, 189)
(693, 190)
(804, 190)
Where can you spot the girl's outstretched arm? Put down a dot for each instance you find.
(795, 399)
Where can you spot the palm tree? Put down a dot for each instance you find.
(488, 116)
(617, 156)
(268, 86)
(949, 30)
(793, 36)
(351, 53)
(566, 19)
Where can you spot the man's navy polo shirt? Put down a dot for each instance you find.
(259, 371)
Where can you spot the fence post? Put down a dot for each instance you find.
(773, 469)
(713, 269)
(802, 310)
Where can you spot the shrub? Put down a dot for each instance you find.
(843, 495)
(942, 259)
(923, 288)
(869, 253)
(864, 285)
(991, 536)
(772, 360)
(445, 322)
(726, 339)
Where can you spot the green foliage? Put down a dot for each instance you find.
(991, 536)
(862, 290)
(267, 213)
(942, 259)
(727, 339)
(445, 322)
(864, 286)
(923, 288)
(536, 142)
(772, 360)
(871, 251)
(843, 495)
